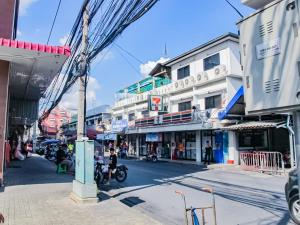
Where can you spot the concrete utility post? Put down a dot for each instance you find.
(82, 86)
(84, 187)
(296, 125)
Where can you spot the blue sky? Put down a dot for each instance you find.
(181, 24)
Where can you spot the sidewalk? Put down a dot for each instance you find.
(35, 195)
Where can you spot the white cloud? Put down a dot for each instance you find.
(24, 5)
(70, 99)
(62, 41)
(146, 68)
(19, 33)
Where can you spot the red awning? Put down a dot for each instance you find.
(32, 66)
(63, 50)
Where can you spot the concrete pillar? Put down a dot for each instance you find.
(4, 80)
(137, 146)
(172, 141)
(198, 146)
(233, 155)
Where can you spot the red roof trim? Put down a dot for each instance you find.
(61, 50)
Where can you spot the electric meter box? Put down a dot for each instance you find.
(270, 58)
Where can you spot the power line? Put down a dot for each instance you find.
(105, 28)
(54, 21)
(129, 63)
(232, 6)
(140, 61)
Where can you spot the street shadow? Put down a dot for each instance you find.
(132, 201)
(34, 170)
(188, 176)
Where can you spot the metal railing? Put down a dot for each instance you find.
(261, 161)
(188, 116)
(171, 118)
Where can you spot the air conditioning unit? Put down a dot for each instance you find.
(199, 77)
(186, 82)
(181, 84)
(217, 71)
(223, 69)
(176, 85)
(192, 79)
(205, 75)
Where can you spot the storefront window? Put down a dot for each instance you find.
(185, 145)
(253, 139)
(166, 146)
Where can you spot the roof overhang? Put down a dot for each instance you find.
(236, 106)
(32, 66)
(254, 125)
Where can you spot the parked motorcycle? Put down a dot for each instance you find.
(151, 157)
(101, 173)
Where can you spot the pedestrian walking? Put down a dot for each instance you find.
(208, 153)
(1, 218)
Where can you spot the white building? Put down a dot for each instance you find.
(195, 86)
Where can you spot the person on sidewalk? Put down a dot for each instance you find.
(112, 164)
(61, 158)
(208, 153)
(1, 218)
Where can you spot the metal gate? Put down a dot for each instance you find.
(268, 162)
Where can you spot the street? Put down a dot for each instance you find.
(244, 198)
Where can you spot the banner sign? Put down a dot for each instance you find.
(109, 136)
(153, 137)
(267, 49)
(119, 125)
(155, 103)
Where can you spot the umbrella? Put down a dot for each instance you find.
(50, 141)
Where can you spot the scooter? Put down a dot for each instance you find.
(151, 157)
(102, 173)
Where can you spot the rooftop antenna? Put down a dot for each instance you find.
(166, 52)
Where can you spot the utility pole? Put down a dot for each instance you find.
(84, 187)
(82, 78)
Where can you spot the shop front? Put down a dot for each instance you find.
(185, 145)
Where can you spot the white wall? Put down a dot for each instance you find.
(233, 84)
(235, 66)
(196, 61)
(224, 85)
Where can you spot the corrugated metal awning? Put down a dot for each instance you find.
(254, 125)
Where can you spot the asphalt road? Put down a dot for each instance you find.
(242, 198)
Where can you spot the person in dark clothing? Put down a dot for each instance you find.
(61, 158)
(112, 163)
(208, 153)
(60, 155)
(1, 218)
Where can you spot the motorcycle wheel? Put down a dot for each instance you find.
(154, 159)
(99, 179)
(121, 175)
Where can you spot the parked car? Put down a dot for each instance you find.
(292, 196)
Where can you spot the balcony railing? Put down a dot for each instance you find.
(188, 116)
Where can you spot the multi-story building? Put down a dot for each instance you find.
(193, 87)
(55, 120)
(97, 121)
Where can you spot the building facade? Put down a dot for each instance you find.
(51, 125)
(193, 88)
(97, 121)
(8, 29)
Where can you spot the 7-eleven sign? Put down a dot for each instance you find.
(155, 103)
